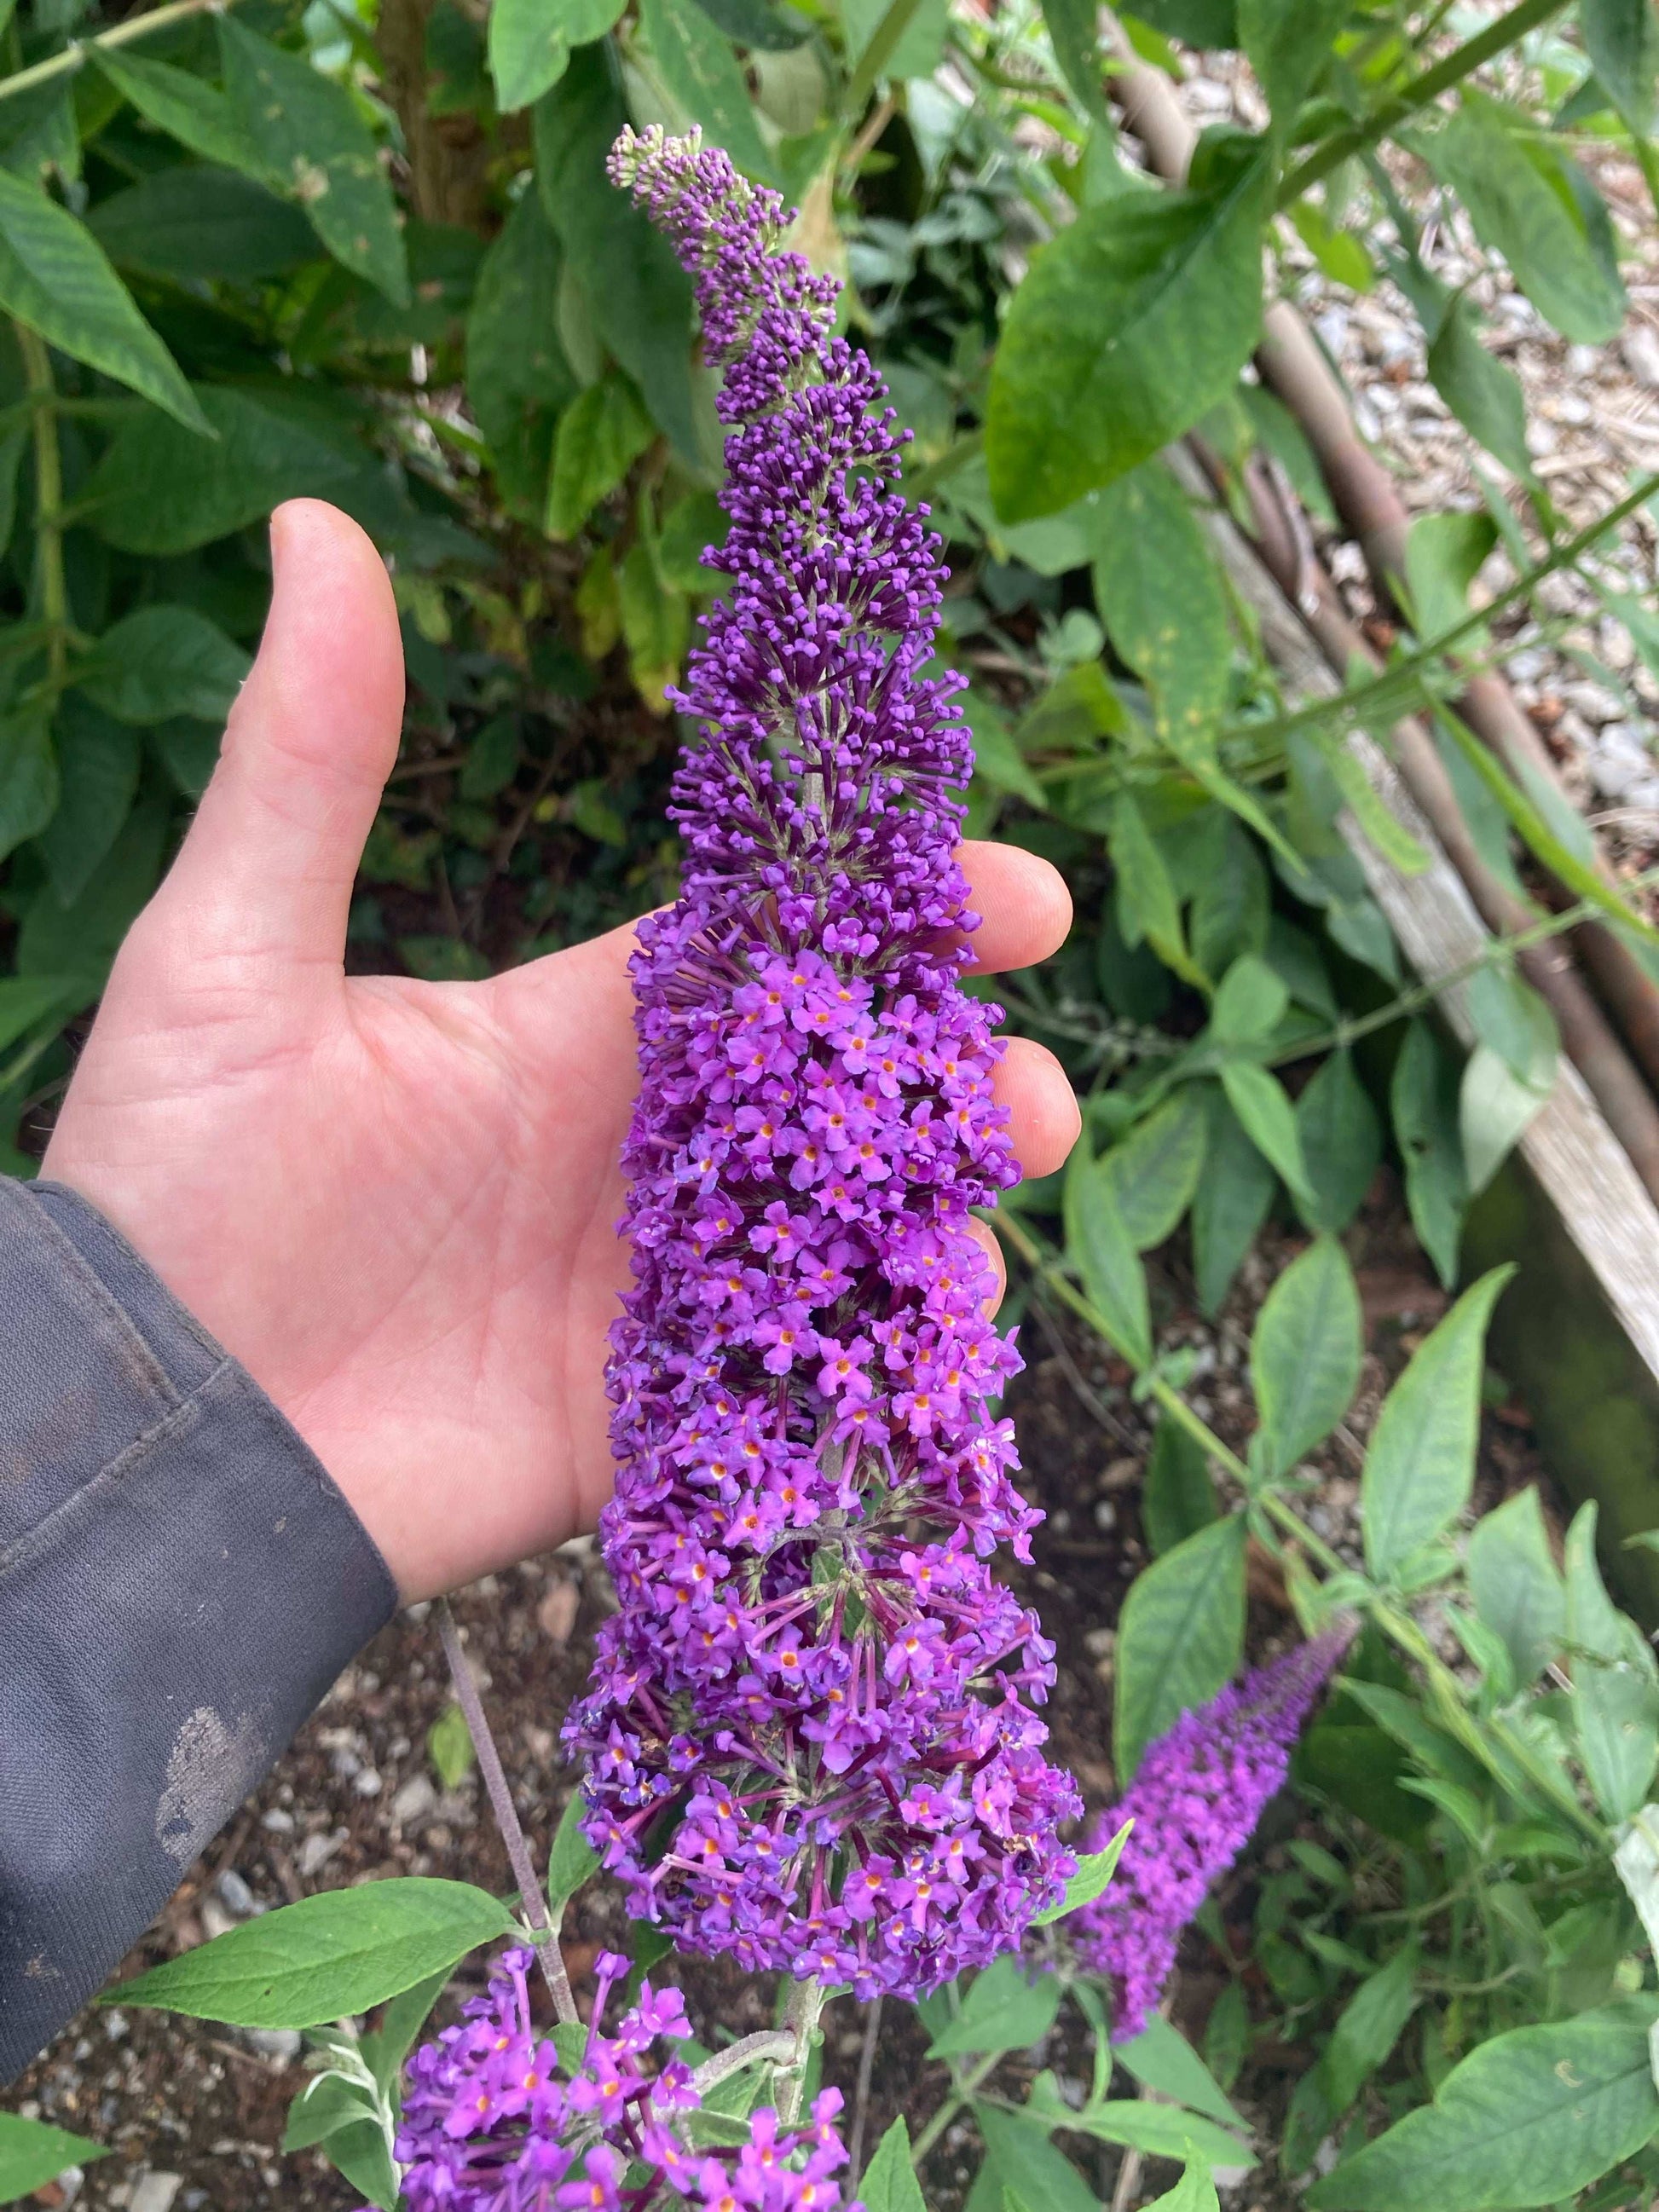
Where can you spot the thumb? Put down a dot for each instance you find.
(266, 871)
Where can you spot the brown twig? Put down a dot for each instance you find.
(862, 2091)
(544, 1938)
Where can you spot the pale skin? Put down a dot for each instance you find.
(395, 1202)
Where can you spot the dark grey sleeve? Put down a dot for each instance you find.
(180, 1584)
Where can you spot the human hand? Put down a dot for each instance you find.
(395, 1202)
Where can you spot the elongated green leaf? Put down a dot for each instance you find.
(202, 224)
(573, 1861)
(1004, 2010)
(1621, 38)
(74, 944)
(1162, 2131)
(329, 1955)
(1022, 2158)
(1234, 1193)
(98, 763)
(758, 25)
(1341, 1142)
(28, 776)
(517, 375)
(1484, 392)
(1615, 1682)
(1269, 1120)
(306, 131)
(1099, 1244)
(1249, 1004)
(194, 113)
(530, 43)
(162, 661)
(1420, 1468)
(1527, 201)
(703, 73)
(1305, 1354)
(1160, 595)
(1181, 1637)
(1195, 2191)
(1151, 1175)
(159, 490)
(1423, 1099)
(1160, 2057)
(360, 2155)
(1367, 2029)
(889, 2182)
(56, 278)
(1130, 325)
(1094, 1873)
(1527, 2118)
(1516, 1586)
(600, 435)
(1178, 1496)
(1495, 1107)
(26, 999)
(32, 2154)
(1074, 34)
(1147, 907)
(1288, 43)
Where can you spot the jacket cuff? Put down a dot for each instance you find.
(180, 1582)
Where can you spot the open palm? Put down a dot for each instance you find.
(396, 1202)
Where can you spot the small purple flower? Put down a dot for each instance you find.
(493, 2121)
(1196, 1801)
(809, 1484)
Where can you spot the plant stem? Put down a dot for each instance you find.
(136, 27)
(961, 2091)
(51, 585)
(800, 2021)
(775, 2043)
(544, 1938)
(1418, 92)
(862, 2093)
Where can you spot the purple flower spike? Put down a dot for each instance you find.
(810, 1743)
(1194, 1802)
(493, 2121)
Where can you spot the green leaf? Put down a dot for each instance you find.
(1022, 2158)
(635, 290)
(1443, 556)
(307, 131)
(889, 2184)
(1161, 2058)
(1099, 1245)
(1146, 904)
(360, 2154)
(1094, 1873)
(1423, 1099)
(1269, 1120)
(202, 225)
(335, 1954)
(55, 279)
(600, 435)
(1420, 1468)
(1160, 2131)
(1151, 1175)
(438, 959)
(1484, 392)
(1525, 200)
(492, 758)
(26, 999)
(163, 661)
(1249, 1003)
(571, 1861)
(517, 375)
(702, 74)
(1232, 906)
(1288, 43)
(28, 777)
(1527, 2118)
(73, 945)
(404, 2017)
(1621, 38)
(1495, 1107)
(1305, 1353)
(997, 756)
(1233, 1197)
(327, 2103)
(98, 764)
(194, 113)
(758, 24)
(1178, 1497)
(1516, 1585)
(449, 1746)
(159, 490)
(1074, 34)
(530, 43)
(1383, 827)
(1160, 594)
(32, 2154)
(1003, 2011)
(1181, 1637)
(891, 39)
(1615, 1682)
(1367, 2029)
(1130, 325)
(1195, 2191)
(655, 624)
(1341, 1141)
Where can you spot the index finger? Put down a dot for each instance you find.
(1023, 903)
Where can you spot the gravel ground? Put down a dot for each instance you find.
(193, 2115)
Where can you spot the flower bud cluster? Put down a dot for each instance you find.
(1196, 1801)
(811, 1742)
(493, 2121)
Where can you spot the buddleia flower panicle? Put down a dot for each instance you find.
(494, 2121)
(811, 1740)
(1196, 1801)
